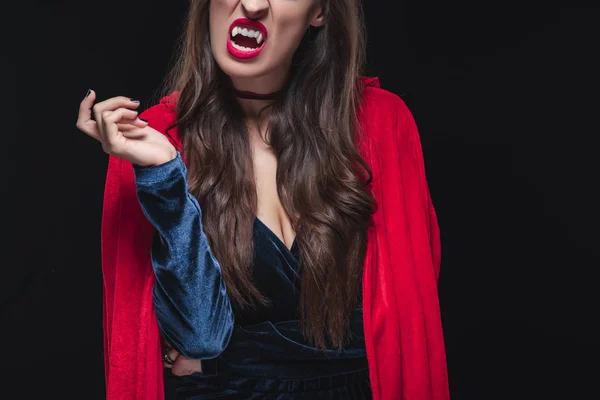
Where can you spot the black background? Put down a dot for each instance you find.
(504, 94)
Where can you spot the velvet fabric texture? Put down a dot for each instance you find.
(196, 317)
(348, 386)
(401, 314)
(190, 298)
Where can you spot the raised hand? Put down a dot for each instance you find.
(117, 127)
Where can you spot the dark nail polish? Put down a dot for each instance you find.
(88, 93)
(142, 119)
(135, 101)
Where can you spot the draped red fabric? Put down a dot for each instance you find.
(402, 322)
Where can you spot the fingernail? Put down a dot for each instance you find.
(88, 93)
(135, 101)
(142, 119)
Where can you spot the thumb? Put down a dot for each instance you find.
(87, 103)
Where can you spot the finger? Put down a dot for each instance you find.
(135, 133)
(85, 107)
(112, 104)
(110, 120)
(173, 355)
(128, 124)
(118, 115)
(85, 123)
(126, 127)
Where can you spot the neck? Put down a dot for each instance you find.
(256, 110)
(255, 93)
(247, 95)
(256, 103)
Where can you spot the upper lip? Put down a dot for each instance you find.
(249, 23)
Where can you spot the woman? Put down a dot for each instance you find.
(270, 218)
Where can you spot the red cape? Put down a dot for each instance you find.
(402, 323)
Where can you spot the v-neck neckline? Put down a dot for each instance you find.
(277, 238)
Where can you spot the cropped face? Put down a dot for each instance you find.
(256, 39)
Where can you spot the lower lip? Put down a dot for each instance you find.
(243, 54)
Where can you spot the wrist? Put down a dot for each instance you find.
(172, 155)
(159, 171)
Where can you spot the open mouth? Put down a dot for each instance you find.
(247, 38)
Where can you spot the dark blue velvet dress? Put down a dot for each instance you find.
(256, 355)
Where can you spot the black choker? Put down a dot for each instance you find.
(242, 94)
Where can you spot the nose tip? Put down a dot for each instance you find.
(255, 9)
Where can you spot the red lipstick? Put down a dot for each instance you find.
(251, 35)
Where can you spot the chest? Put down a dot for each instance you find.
(269, 208)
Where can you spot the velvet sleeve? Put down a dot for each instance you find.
(192, 307)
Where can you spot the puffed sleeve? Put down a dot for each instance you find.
(192, 307)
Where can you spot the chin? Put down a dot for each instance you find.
(240, 69)
(237, 70)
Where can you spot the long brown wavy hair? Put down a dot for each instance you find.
(321, 178)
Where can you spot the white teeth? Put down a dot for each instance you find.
(237, 46)
(251, 33)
